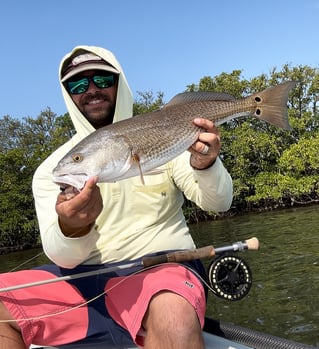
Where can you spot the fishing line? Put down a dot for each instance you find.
(105, 292)
(81, 304)
(27, 261)
(108, 290)
(30, 259)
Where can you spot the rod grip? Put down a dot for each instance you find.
(179, 256)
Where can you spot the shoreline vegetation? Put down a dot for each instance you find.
(10, 249)
(271, 168)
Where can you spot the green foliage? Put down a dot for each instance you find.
(301, 159)
(276, 189)
(24, 145)
(147, 103)
(228, 83)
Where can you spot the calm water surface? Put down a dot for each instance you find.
(284, 298)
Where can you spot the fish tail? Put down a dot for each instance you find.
(272, 104)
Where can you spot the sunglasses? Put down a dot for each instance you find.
(100, 80)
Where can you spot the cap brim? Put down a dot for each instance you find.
(90, 66)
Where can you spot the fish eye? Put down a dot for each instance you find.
(77, 157)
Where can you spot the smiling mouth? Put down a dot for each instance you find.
(95, 101)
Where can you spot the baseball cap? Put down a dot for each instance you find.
(85, 61)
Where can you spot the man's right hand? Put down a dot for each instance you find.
(78, 212)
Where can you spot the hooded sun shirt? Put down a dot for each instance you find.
(136, 219)
(124, 102)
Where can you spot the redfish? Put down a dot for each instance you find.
(139, 145)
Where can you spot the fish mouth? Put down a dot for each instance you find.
(71, 180)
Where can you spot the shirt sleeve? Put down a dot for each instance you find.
(210, 189)
(64, 251)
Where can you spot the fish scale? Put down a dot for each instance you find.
(139, 145)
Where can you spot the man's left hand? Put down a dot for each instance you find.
(206, 149)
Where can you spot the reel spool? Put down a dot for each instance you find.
(230, 277)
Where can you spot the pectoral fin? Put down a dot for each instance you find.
(136, 159)
(152, 172)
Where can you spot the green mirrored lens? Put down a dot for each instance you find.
(103, 81)
(79, 86)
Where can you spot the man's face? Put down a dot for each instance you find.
(97, 104)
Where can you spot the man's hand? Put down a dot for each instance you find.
(206, 149)
(78, 212)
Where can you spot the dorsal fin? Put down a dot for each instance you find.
(188, 97)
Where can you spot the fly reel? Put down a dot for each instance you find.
(230, 277)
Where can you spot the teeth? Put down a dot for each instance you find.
(96, 101)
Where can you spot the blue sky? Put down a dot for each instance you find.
(162, 45)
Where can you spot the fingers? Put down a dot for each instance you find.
(206, 149)
(91, 183)
(86, 195)
(82, 209)
(207, 125)
(208, 140)
(79, 197)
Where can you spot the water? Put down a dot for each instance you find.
(284, 298)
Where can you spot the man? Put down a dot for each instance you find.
(112, 223)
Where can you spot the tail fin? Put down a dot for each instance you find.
(272, 104)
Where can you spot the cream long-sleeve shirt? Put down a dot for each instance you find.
(136, 219)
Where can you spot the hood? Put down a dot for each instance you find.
(124, 101)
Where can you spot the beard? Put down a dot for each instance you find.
(98, 108)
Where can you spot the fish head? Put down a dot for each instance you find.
(108, 159)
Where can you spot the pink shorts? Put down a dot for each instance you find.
(128, 299)
(59, 313)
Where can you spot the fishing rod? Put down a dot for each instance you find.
(200, 253)
(149, 261)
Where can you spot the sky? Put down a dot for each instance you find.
(163, 46)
